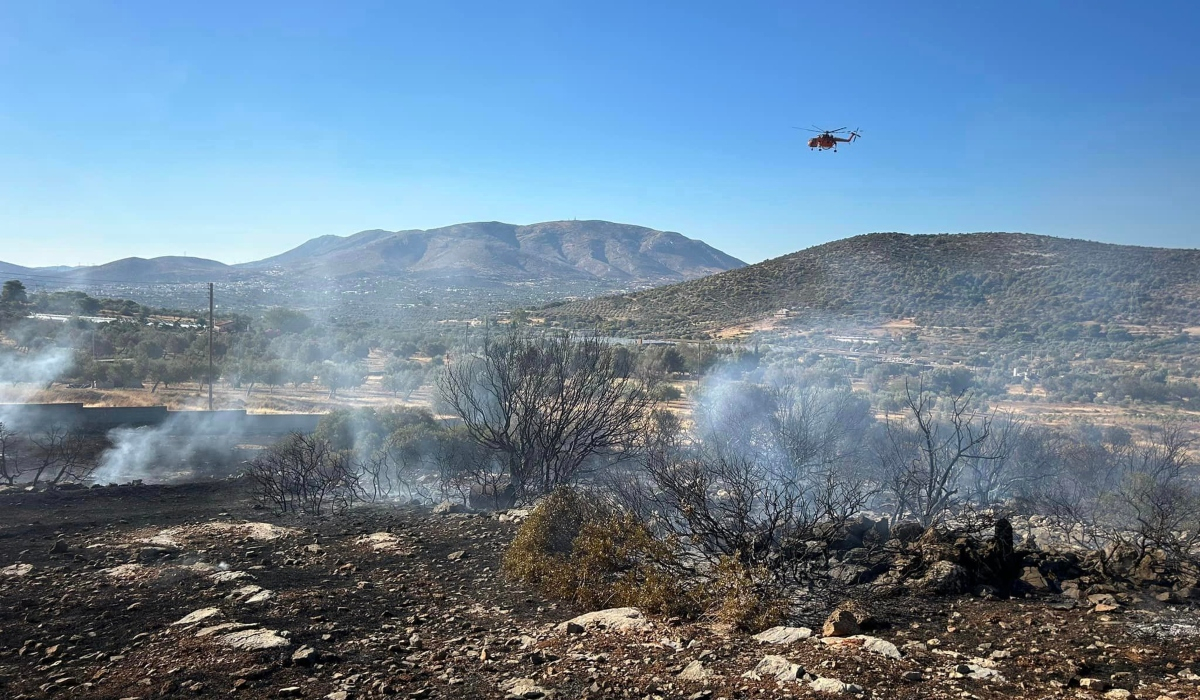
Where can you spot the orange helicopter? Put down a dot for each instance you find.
(826, 139)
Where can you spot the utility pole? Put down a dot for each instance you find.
(210, 345)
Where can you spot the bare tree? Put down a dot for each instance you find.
(1160, 495)
(547, 404)
(470, 472)
(1078, 501)
(304, 474)
(62, 455)
(766, 476)
(394, 466)
(1018, 459)
(923, 456)
(1125, 500)
(10, 455)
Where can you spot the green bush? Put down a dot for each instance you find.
(668, 392)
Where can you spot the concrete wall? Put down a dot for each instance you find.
(33, 417)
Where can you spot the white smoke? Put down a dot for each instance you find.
(177, 449)
(23, 374)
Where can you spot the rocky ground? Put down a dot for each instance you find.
(189, 591)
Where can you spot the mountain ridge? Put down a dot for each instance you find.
(596, 249)
(571, 250)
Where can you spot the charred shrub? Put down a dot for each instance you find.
(548, 406)
(304, 474)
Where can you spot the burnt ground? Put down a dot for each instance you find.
(379, 603)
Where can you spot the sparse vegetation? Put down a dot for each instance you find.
(550, 406)
(1002, 280)
(575, 548)
(304, 474)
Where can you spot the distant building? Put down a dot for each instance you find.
(782, 313)
(224, 326)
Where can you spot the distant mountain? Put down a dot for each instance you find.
(972, 280)
(169, 268)
(597, 250)
(615, 255)
(9, 271)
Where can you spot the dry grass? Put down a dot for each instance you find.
(193, 396)
(745, 597)
(573, 549)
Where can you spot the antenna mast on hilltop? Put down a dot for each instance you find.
(210, 345)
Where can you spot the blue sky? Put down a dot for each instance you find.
(236, 130)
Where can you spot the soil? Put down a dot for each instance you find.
(400, 602)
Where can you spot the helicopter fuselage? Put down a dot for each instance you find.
(828, 140)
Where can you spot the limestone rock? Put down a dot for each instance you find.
(252, 594)
(613, 619)
(783, 635)
(228, 576)
(254, 640)
(976, 671)
(908, 531)
(875, 645)
(16, 570)
(943, 577)
(847, 619)
(1103, 602)
(224, 628)
(197, 616)
(260, 597)
(777, 667)
(694, 671)
(834, 687)
(525, 688)
(304, 656)
(1033, 578)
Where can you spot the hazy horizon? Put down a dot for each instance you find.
(749, 262)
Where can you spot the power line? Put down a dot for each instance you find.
(210, 346)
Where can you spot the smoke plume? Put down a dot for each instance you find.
(183, 447)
